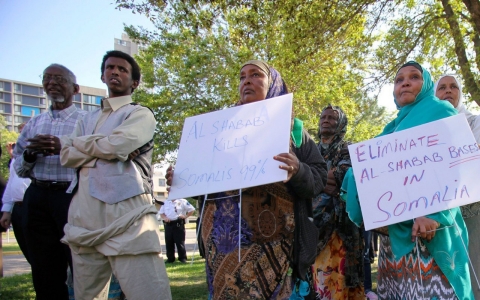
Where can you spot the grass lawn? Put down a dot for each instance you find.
(11, 247)
(187, 282)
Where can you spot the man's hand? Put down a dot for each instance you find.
(164, 218)
(331, 187)
(6, 220)
(44, 144)
(10, 146)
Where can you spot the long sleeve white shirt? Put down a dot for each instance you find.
(14, 190)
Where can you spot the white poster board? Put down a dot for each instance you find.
(416, 172)
(233, 148)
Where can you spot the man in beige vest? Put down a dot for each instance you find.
(111, 221)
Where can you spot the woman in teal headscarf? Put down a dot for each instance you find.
(443, 259)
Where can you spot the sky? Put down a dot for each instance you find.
(74, 33)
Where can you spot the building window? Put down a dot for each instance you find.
(5, 97)
(18, 98)
(19, 119)
(1, 85)
(2, 107)
(89, 107)
(122, 43)
(31, 90)
(7, 87)
(88, 99)
(77, 98)
(28, 100)
(8, 118)
(18, 88)
(42, 101)
(161, 182)
(30, 111)
(7, 108)
(18, 109)
(161, 194)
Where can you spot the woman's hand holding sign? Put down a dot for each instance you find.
(424, 228)
(291, 163)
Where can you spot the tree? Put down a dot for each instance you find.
(5, 137)
(444, 34)
(190, 63)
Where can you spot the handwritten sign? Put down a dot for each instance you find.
(416, 172)
(233, 148)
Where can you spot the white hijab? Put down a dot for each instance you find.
(461, 109)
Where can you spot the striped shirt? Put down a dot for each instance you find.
(48, 167)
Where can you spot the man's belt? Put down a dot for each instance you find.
(51, 185)
(176, 222)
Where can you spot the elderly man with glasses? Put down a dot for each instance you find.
(37, 157)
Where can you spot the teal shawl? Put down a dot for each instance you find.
(446, 247)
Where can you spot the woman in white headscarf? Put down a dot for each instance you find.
(449, 88)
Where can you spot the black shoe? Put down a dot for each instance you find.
(184, 261)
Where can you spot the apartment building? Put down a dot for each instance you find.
(20, 101)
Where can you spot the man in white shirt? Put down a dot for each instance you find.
(12, 208)
(173, 213)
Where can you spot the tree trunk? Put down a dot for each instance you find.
(465, 67)
(473, 7)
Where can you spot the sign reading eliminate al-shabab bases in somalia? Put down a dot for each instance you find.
(416, 172)
(233, 148)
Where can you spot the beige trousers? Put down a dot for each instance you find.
(141, 277)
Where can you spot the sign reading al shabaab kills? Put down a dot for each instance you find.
(416, 172)
(233, 148)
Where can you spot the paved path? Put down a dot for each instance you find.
(15, 264)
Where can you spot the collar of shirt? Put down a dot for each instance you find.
(64, 113)
(116, 102)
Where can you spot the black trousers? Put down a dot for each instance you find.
(47, 212)
(175, 236)
(19, 218)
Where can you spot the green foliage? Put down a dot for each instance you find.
(6, 136)
(190, 63)
(420, 30)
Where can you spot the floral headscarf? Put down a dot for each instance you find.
(341, 125)
(277, 85)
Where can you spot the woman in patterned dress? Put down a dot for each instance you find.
(337, 271)
(268, 217)
(422, 258)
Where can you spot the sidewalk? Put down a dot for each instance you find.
(14, 263)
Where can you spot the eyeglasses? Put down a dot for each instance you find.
(57, 78)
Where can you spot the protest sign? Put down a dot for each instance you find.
(416, 172)
(233, 148)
